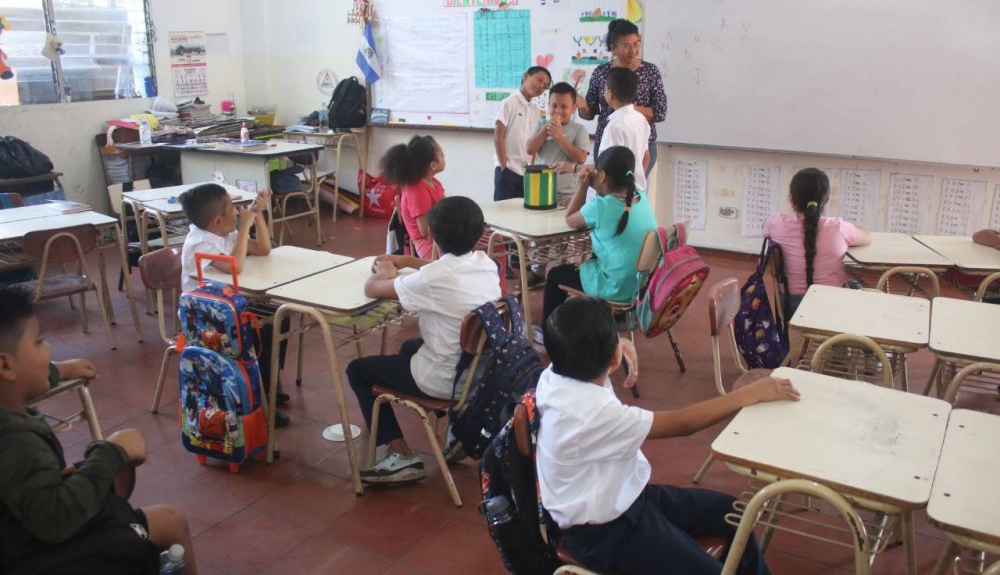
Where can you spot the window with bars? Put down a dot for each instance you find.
(107, 48)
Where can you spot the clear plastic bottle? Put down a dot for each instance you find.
(172, 561)
(499, 511)
(324, 119)
(244, 133)
(145, 132)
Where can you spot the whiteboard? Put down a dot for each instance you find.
(452, 66)
(909, 80)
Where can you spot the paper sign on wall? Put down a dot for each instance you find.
(188, 64)
(961, 207)
(690, 187)
(995, 214)
(760, 198)
(909, 209)
(859, 196)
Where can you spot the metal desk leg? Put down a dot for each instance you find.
(105, 293)
(363, 164)
(525, 303)
(909, 542)
(90, 413)
(128, 285)
(315, 199)
(336, 181)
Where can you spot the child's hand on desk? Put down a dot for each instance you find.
(772, 389)
(391, 258)
(132, 442)
(384, 270)
(76, 369)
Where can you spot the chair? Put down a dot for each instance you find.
(850, 356)
(963, 377)
(912, 278)
(161, 272)
(649, 257)
(723, 304)
(59, 246)
(87, 412)
(986, 283)
(10, 200)
(473, 341)
(309, 193)
(770, 498)
(127, 214)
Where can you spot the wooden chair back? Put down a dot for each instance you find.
(650, 253)
(522, 430)
(115, 193)
(985, 285)
(980, 367)
(60, 245)
(473, 340)
(915, 274)
(723, 304)
(845, 354)
(11, 200)
(161, 271)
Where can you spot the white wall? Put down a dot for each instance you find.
(65, 132)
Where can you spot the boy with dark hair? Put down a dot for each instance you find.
(515, 119)
(442, 292)
(593, 478)
(56, 519)
(214, 230)
(560, 139)
(626, 127)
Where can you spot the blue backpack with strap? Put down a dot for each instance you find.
(760, 337)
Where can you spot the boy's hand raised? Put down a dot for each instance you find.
(261, 202)
(132, 442)
(772, 389)
(246, 217)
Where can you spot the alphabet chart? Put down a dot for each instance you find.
(690, 187)
(961, 207)
(503, 47)
(995, 214)
(909, 208)
(760, 198)
(859, 195)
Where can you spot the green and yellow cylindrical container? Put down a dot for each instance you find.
(539, 187)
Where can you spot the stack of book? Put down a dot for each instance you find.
(195, 114)
(67, 207)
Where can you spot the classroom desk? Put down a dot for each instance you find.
(335, 141)
(968, 256)
(26, 213)
(285, 264)
(962, 332)
(11, 233)
(898, 323)
(962, 502)
(199, 164)
(876, 446)
(536, 236)
(338, 292)
(889, 250)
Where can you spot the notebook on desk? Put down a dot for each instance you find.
(67, 207)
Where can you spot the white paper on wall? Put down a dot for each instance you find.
(690, 188)
(418, 77)
(760, 198)
(909, 207)
(995, 214)
(961, 207)
(859, 197)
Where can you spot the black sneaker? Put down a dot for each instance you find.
(283, 398)
(394, 468)
(281, 419)
(535, 279)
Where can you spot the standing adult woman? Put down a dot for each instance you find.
(625, 44)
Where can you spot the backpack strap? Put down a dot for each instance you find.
(517, 325)
(765, 254)
(496, 333)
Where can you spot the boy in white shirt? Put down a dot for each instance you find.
(592, 476)
(443, 291)
(626, 127)
(515, 119)
(560, 139)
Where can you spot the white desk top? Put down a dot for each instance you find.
(887, 319)
(966, 254)
(26, 213)
(17, 229)
(962, 496)
(285, 264)
(855, 437)
(275, 149)
(966, 329)
(891, 249)
(512, 216)
(164, 205)
(341, 289)
(143, 196)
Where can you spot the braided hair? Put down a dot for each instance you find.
(618, 162)
(405, 164)
(810, 190)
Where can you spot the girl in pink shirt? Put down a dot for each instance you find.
(412, 166)
(813, 246)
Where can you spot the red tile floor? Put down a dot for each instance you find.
(300, 514)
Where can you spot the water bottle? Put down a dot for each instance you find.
(244, 134)
(145, 133)
(324, 119)
(499, 511)
(172, 560)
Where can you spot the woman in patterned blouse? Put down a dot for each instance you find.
(625, 43)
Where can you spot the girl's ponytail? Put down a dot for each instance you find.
(812, 228)
(810, 190)
(618, 162)
(629, 196)
(405, 164)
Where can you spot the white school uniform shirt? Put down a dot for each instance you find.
(520, 117)
(590, 467)
(627, 127)
(442, 292)
(204, 242)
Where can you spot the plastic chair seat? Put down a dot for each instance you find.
(429, 404)
(59, 286)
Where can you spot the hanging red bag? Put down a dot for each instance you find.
(379, 195)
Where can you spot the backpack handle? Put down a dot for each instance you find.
(198, 257)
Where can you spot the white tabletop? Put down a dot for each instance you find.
(166, 206)
(341, 289)
(966, 329)
(143, 196)
(892, 249)
(512, 216)
(853, 436)
(26, 213)
(285, 264)
(275, 148)
(966, 477)
(16, 230)
(887, 319)
(966, 254)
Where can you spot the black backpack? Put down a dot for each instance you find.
(347, 106)
(514, 368)
(509, 475)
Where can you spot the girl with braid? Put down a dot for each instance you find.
(618, 219)
(813, 246)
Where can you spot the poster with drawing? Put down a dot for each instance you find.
(188, 64)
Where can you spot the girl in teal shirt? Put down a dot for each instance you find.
(618, 219)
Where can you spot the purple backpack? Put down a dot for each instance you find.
(760, 337)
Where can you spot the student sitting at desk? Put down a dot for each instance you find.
(413, 166)
(592, 476)
(442, 292)
(214, 230)
(618, 218)
(813, 246)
